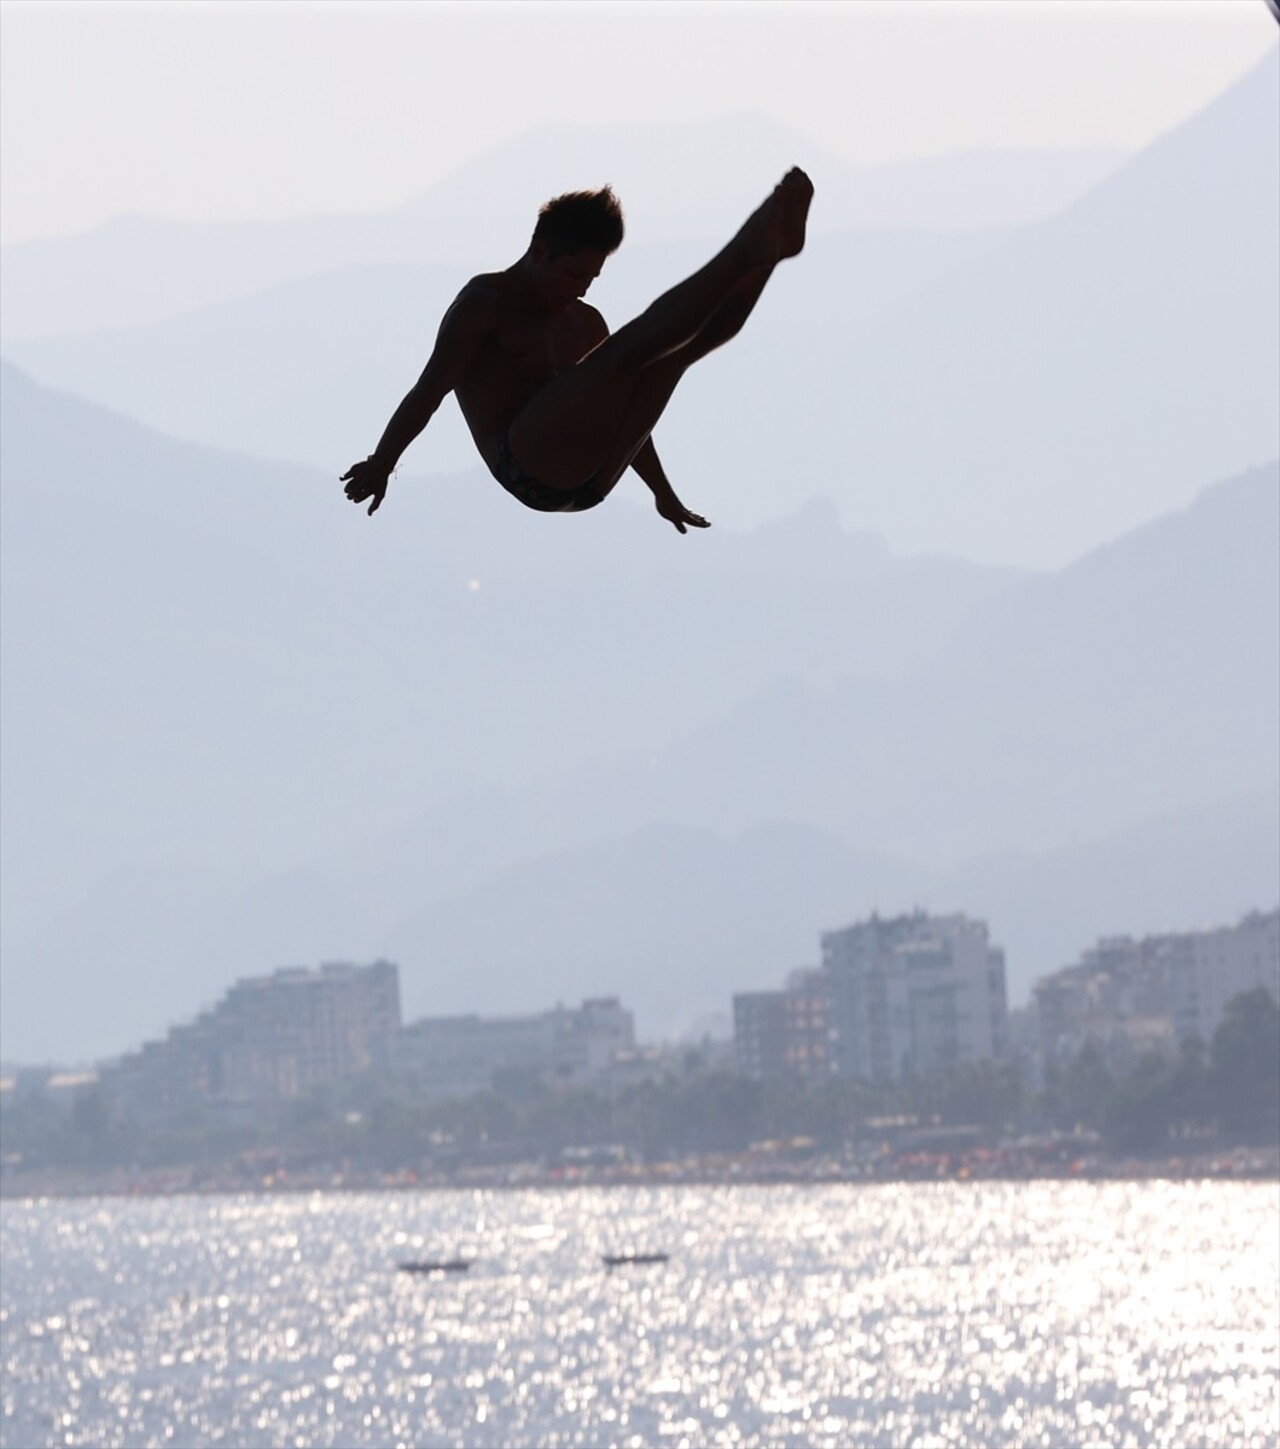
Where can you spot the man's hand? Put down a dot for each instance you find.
(670, 507)
(366, 480)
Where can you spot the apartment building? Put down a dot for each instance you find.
(914, 995)
(786, 1033)
(271, 1038)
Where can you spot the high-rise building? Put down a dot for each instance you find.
(914, 995)
(786, 1033)
(271, 1038)
(294, 1030)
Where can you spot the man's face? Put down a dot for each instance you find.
(564, 277)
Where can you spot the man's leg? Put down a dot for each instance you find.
(657, 382)
(726, 321)
(578, 426)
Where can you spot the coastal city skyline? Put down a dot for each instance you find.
(883, 1003)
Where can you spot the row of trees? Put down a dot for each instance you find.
(1231, 1092)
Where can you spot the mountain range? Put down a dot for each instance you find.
(534, 757)
(139, 269)
(530, 757)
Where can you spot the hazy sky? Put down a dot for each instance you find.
(235, 109)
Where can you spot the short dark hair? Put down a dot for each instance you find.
(581, 219)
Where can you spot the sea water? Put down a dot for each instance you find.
(1049, 1313)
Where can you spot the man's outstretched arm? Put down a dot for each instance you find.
(466, 327)
(647, 464)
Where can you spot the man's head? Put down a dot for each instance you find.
(580, 221)
(574, 236)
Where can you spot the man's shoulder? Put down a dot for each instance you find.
(487, 284)
(481, 299)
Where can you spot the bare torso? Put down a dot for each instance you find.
(527, 346)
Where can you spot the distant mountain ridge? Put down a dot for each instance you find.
(1035, 721)
(243, 725)
(765, 896)
(136, 270)
(193, 639)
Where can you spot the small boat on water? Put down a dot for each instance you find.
(627, 1260)
(437, 1265)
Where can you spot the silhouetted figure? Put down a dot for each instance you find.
(558, 408)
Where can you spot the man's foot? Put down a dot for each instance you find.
(794, 195)
(761, 234)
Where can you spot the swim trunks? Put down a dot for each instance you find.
(541, 495)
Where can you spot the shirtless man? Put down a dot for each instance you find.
(560, 409)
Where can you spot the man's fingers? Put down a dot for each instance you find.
(684, 520)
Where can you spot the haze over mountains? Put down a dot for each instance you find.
(678, 183)
(239, 732)
(535, 757)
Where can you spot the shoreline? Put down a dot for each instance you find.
(1241, 1165)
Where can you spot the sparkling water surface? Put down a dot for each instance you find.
(1073, 1314)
